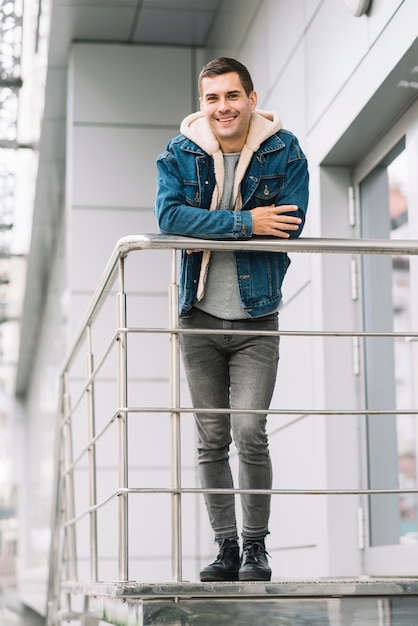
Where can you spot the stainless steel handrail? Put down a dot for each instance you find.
(63, 531)
(162, 242)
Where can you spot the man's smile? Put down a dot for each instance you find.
(226, 119)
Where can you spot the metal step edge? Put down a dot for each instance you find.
(335, 587)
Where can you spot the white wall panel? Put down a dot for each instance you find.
(380, 15)
(287, 95)
(394, 39)
(335, 44)
(95, 234)
(232, 28)
(276, 35)
(131, 85)
(310, 7)
(115, 166)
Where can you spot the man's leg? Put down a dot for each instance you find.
(207, 373)
(253, 369)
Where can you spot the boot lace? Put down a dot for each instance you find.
(254, 550)
(227, 551)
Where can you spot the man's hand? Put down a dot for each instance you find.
(271, 220)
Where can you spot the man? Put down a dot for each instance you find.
(233, 173)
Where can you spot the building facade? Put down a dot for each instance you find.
(343, 76)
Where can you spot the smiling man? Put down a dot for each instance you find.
(232, 173)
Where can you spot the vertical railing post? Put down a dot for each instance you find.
(92, 459)
(123, 547)
(69, 485)
(175, 431)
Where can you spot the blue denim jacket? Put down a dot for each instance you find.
(277, 174)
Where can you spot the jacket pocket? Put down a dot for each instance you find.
(192, 193)
(269, 187)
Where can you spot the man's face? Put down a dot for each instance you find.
(228, 109)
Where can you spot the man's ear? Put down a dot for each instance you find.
(253, 100)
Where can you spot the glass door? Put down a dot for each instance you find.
(390, 368)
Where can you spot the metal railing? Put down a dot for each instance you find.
(63, 555)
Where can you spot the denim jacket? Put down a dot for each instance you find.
(277, 174)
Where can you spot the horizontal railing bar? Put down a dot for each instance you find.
(267, 333)
(270, 411)
(300, 244)
(91, 378)
(298, 413)
(199, 491)
(310, 492)
(91, 443)
(91, 509)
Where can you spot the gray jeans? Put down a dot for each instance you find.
(232, 371)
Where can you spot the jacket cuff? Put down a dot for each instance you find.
(243, 224)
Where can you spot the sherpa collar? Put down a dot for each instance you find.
(263, 124)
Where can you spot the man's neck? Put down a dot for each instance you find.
(229, 147)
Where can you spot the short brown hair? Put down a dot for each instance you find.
(224, 65)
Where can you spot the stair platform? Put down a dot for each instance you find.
(326, 602)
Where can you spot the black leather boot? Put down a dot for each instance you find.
(226, 564)
(254, 561)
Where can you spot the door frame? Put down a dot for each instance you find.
(392, 560)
